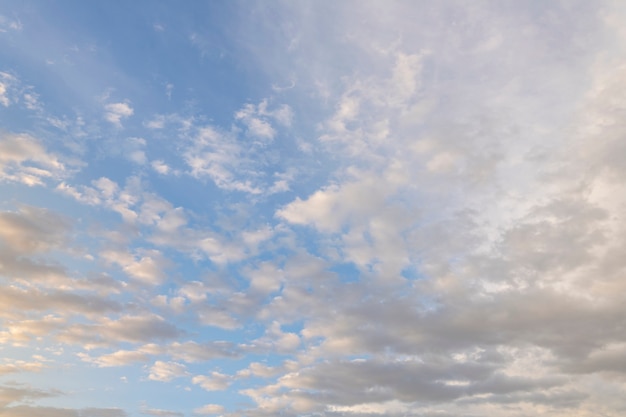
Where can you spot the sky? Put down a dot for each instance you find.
(312, 208)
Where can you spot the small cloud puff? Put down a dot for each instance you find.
(115, 112)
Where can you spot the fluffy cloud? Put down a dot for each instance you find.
(214, 382)
(115, 112)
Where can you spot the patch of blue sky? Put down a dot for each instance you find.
(346, 272)
(412, 273)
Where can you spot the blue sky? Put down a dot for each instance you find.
(351, 208)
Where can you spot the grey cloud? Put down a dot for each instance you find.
(17, 393)
(17, 267)
(606, 358)
(191, 351)
(188, 351)
(107, 332)
(553, 398)
(33, 229)
(28, 410)
(357, 382)
(65, 302)
(139, 328)
(102, 412)
(28, 232)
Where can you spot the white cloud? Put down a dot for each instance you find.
(166, 371)
(24, 159)
(6, 82)
(160, 167)
(119, 358)
(214, 382)
(257, 119)
(147, 266)
(20, 366)
(134, 149)
(116, 112)
(218, 156)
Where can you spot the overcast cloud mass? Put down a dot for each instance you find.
(312, 208)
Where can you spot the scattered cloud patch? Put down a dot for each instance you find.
(116, 112)
(166, 371)
(24, 159)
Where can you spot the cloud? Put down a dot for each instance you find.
(161, 167)
(276, 340)
(133, 148)
(16, 393)
(214, 382)
(116, 112)
(27, 410)
(24, 159)
(444, 238)
(161, 413)
(33, 229)
(21, 299)
(20, 366)
(218, 156)
(117, 358)
(147, 266)
(199, 352)
(166, 371)
(236, 160)
(209, 409)
(257, 119)
(6, 82)
(7, 24)
(28, 236)
(108, 332)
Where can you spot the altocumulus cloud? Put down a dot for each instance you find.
(314, 208)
